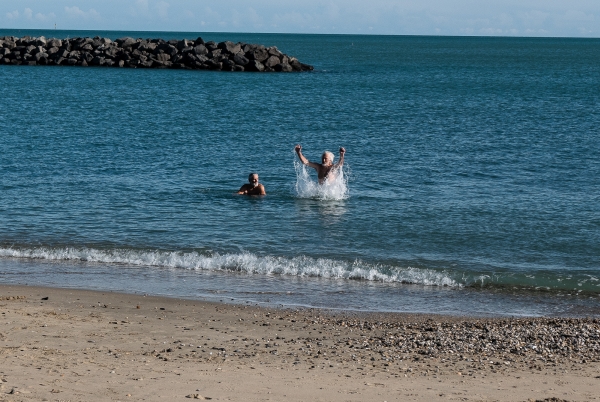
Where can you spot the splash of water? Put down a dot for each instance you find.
(334, 188)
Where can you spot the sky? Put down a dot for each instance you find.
(556, 18)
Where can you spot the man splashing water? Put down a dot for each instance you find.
(327, 170)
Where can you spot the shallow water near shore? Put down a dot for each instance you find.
(471, 184)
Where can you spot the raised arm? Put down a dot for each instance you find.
(341, 161)
(303, 158)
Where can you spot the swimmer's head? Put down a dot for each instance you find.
(253, 179)
(327, 158)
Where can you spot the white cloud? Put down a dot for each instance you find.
(162, 9)
(142, 5)
(28, 13)
(13, 16)
(248, 17)
(141, 8)
(76, 12)
(45, 17)
(333, 11)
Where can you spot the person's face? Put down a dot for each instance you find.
(326, 159)
(253, 180)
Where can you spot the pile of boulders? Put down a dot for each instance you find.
(146, 53)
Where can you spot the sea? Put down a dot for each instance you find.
(471, 182)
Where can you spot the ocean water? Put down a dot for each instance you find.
(471, 183)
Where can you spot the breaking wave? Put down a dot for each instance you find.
(240, 262)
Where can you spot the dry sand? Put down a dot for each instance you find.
(87, 346)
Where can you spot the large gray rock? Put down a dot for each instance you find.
(213, 65)
(54, 43)
(10, 44)
(41, 55)
(248, 47)
(228, 65)
(200, 49)
(273, 51)
(162, 57)
(230, 47)
(258, 54)
(296, 65)
(182, 44)
(210, 45)
(255, 65)
(213, 54)
(97, 61)
(125, 42)
(147, 47)
(306, 67)
(240, 59)
(168, 49)
(111, 51)
(272, 61)
(41, 41)
(284, 67)
(62, 53)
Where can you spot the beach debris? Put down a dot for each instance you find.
(3, 298)
(45, 298)
(197, 396)
(147, 53)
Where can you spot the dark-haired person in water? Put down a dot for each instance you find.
(253, 187)
(325, 170)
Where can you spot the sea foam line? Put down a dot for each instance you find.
(245, 262)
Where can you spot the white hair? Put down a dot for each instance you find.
(330, 154)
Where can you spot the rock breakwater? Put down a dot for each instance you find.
(147, 53)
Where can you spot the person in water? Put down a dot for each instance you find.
(253, 187)
(326, 170)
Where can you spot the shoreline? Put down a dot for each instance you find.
(93, 345)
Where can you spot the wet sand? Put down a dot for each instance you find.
(101, 346)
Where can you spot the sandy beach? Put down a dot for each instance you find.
(72, 345)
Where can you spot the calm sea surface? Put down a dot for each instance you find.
(472, 168)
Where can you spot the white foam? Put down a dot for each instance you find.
(241, 262)
(334, 188)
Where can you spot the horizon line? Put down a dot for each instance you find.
(309, 33)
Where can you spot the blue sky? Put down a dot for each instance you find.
(579, 18)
